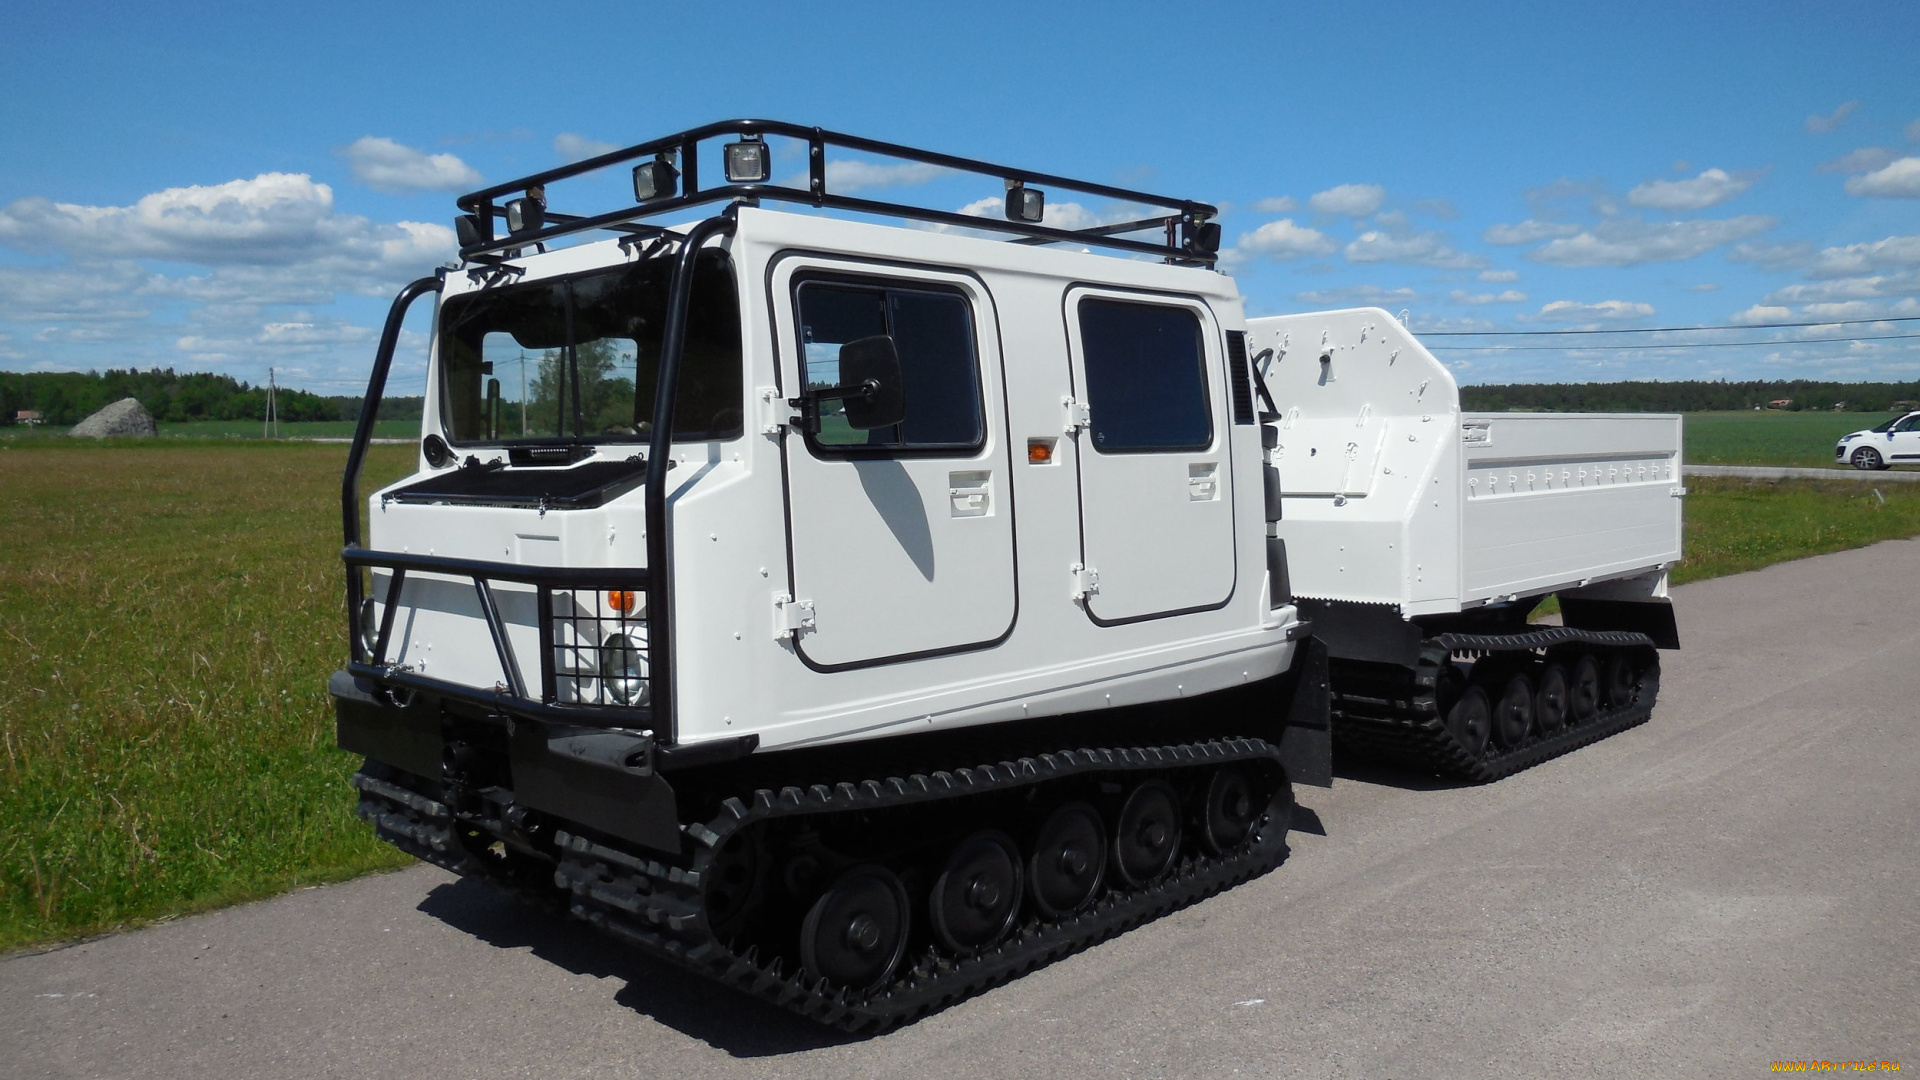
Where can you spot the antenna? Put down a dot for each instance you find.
(273, 415)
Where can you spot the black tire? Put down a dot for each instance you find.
(1583, 690)
(974, 900)
(1513, 712)
(1621, 680)
(855, 934)
(1067, 861)
(1146, 834)
(1471, 721)
(1550, 699)
(1867, 459)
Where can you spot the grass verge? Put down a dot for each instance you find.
(168, 619)
(169, 615)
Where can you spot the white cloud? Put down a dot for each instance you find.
(1353, 200)
(1284, 204)
(1439, 208)
(1281, 240)
(1865, 159)
(1864, 287)
(1710, 188)
(1763, 313)
(572, 147)
(385, 165)
(1897, 180)
(1505, 296)
(1894, 252)
(1499, 277)
(1419, 249)
(1820, 125)
(1772, 256)
(1604, 311)
(1629, 242)
(1529, 231)
(1358, 296)
(850, 176)
(272, 219)
(58, 293)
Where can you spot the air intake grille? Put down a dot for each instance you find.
(1241, 375)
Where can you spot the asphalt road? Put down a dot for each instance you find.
(1731, 884)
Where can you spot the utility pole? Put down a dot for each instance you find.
(273, 416)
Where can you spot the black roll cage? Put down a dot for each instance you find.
(1181, 221)
(655, 579)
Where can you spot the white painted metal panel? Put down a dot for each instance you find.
(908, 555)
(1158, 525)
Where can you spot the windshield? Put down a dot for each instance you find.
(575, 359)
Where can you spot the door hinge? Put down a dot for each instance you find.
(1078, 415)
(1086, 581)
(791, 616)
(776, 412)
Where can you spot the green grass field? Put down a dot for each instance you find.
(169, 614)
(1803, 439)
(168, 619)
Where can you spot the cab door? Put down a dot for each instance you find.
(1903, 441)
(1156, 499)
(902, 537)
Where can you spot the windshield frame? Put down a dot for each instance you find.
(715, 266)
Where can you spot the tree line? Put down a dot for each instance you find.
(67, 397)
(1694, 396)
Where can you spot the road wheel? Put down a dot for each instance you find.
(1471, 720)
(1583, 690)
(1550, 700)
(1620, 681)
(1146, 836)
(856, 932)
(974, 900)
(1513, 715)
(1867, 459)
(1068, 862)
(1227, 815)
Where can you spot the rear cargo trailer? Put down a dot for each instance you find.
(867, 615)
(1419, 538)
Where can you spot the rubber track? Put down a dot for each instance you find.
(1392, 714)
(659, 907)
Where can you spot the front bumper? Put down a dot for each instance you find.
(500, 764)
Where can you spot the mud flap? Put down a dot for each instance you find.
(367, 724)
(1306, 743)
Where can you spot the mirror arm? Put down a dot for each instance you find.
(808, 404)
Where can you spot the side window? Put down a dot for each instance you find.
(932, 330)
(1146, 377)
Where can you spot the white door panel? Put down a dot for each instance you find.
(902, 550)
(1156, 498)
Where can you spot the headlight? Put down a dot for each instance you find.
(623, 669)
(1849, 438)
(369, 629)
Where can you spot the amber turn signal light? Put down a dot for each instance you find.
(1039, 451)
(623, 600)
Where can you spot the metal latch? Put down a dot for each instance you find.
(1078, 415)
(791, 616)
(776, 412)
(1086, 581)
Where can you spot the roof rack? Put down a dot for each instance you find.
(1191, 236)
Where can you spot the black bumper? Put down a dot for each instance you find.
(608, 781)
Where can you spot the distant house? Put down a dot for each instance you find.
(1839, 406)
(1780, 403)
(29, 417)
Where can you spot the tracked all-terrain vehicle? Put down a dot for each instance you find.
(862, 615)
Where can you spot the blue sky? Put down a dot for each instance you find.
(242, 186)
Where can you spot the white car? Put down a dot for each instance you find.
(1896, 442)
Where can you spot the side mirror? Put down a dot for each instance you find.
(870, 383)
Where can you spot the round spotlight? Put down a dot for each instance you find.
(623, 668)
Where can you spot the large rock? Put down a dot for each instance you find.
(124, 419)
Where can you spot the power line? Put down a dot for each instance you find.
(1666, 329)
(1673, 345)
